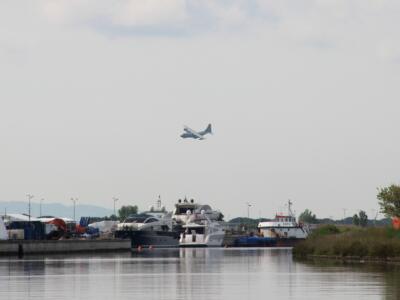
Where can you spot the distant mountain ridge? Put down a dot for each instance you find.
(54, 209)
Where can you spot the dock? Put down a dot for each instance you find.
(21, 247)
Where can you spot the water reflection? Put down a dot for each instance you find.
(381, 280)
(194, 274)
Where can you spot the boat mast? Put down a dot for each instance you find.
(290, 208)
(159, 202)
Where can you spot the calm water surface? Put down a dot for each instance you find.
(193, 274)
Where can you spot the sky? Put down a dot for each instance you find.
(303, 96)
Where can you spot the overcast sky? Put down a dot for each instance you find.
(303, 96)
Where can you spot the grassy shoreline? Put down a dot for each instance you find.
(351, 243)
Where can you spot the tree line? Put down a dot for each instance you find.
(388, 199)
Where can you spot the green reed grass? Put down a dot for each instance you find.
(379, 242)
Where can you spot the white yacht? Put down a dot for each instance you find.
(186, 209)
(152, 228)
(283, 227)
(156, 218)
(202, 233)
(141, 222)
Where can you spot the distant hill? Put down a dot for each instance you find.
(55, 209)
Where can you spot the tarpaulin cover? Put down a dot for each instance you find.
(105, 226)
(59, 223)
(80, 229)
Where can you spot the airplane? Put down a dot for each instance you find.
(190, 133)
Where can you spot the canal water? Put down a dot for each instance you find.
(194, 274)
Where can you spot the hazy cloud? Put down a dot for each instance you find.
(157, 15)
(303, 96)
(315, 23)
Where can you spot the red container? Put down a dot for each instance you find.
(396, 223)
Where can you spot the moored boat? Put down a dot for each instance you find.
(282, 231)
(187, 209)
(152, 228)
(283, 227)
(202, 233)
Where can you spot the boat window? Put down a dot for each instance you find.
(198, 230)
(151, 220)
(129, 220)
(183, 210)
(138, 219)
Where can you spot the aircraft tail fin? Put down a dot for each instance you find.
(208, 129)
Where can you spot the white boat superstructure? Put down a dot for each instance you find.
(146, 222)
(283, 226)
(155, 219)
(158, 211)
(202, 233)
(185, 210)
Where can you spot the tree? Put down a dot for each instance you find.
(125, 211)
(363, 218)
(389, 200)
(307, 217)
(113, 217)
(356, 220)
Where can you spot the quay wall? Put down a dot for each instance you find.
(19, 247)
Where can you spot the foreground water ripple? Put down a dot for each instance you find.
(194, 274)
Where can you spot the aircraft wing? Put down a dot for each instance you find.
(195, 133)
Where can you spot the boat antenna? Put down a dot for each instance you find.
(290, 208)
(159, 202)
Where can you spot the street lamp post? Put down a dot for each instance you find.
(40, 206)
(29, 205)
(374, 215)
(74, 200)
(115, 200)
(248, 209)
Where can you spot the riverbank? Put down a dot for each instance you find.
(351, 243)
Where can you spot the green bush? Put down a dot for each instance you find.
(351, 241)
(357, 248)
(325, 230)
(382, 250)
(303, 248)
(393, 233)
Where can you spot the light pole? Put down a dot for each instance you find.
(74, 200)
(40, 207)
(248, 209)
(29, 205)
(115, 200)
(373, 214)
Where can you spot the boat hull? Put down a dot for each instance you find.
(194, 246)
(201, 240)
(255, 241)
(154, 239)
